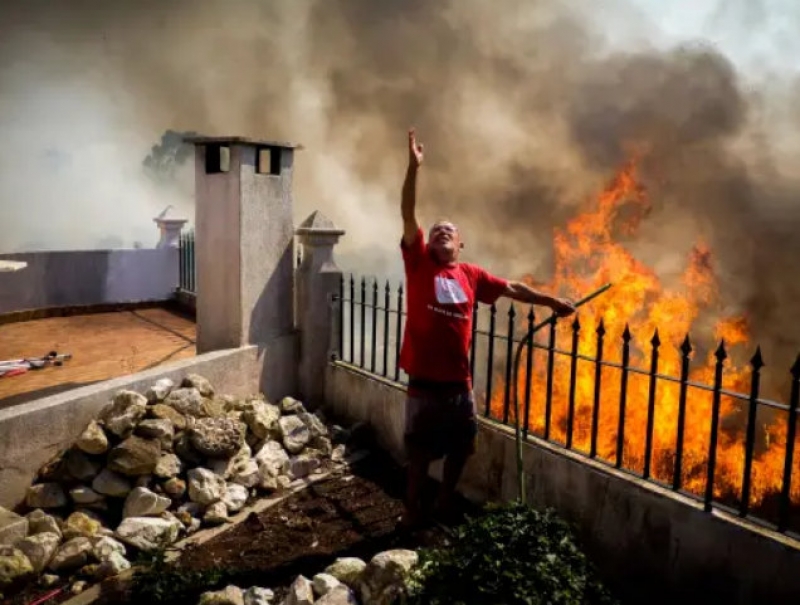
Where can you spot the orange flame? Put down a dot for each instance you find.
(587, 255)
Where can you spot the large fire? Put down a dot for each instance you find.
(587, 255)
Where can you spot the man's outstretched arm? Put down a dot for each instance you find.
(409, 199)
(522, 292)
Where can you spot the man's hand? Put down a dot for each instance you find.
(415, 154)
(409, 196)
(562, 307)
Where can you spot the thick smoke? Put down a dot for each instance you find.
(525, 109)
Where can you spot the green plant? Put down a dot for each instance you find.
(157, 580)
(511, 555)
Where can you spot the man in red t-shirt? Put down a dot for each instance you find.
(440, 409)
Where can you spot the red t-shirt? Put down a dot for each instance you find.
(440, 300)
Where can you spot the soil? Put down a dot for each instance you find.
(353, 513)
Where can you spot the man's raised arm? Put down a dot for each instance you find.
(409, 201)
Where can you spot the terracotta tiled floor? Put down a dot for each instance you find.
(103, 346)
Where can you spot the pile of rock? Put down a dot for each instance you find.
(348, 581)
(154, 467)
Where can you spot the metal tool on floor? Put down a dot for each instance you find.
(15, 367)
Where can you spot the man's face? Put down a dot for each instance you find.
(444, 241)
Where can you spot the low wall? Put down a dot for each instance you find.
(33, 433)
(653, 545)
(88, 277)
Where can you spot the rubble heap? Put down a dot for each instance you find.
(153, 468)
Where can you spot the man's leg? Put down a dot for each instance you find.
(451, 473)
(464, 430)
(418, 465)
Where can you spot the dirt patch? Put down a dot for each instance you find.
(353, 513)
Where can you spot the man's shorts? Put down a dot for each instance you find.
(441, 425)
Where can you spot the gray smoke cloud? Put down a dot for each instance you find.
(526, 110)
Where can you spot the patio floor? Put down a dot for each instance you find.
(103, 346)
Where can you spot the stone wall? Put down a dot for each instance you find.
(653, 545)
(90, 277)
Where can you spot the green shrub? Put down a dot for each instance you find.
(511, 555)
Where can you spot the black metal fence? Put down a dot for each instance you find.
(729, 450)
(186, 265)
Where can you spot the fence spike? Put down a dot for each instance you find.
(721, 354)
(601, 328)
(655, 341)
(626, 335)
(795, 369)
(530, 314)
(757, 361)
(511, 311)
(576, 324)
(686, 346)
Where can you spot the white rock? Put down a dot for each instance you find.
(160, 429)
(46, 495)
(338, 453)
(72, 554)
(300, 466)
(270, 458)
(249, 475)
(194, 526)
(40, 522)
(147, 533)
(347, 570)
(13, 527)
(159, 390)
(93, 440)
(384, 579)
(81, 524)
(258, 596)
(216, 513)
(49, 579)
(230, 595)
(14, 565)
(340, 595)
(295, 433)
(40, 549)
(127, 409)
(78, 587)
(262, 419)
(141, 502)
(80, 467)
(169, 465)
(300, 592)
(227, 467)
(202, 384)
(323, 583)
(283, 482)
(104, 547)
(314, 424)
(114, 565)
(85, 495)
(290, 405)
(188, 402)
(205, 487)
(235, 497)
(111, 484)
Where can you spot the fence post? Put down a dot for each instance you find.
(318, 286)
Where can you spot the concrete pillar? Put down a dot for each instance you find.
(244, 251)
(318, 281)
(169, 229)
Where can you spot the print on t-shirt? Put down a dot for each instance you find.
(449, 291)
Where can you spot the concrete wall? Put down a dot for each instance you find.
(33, 433)
(653, 546)
(91, 277)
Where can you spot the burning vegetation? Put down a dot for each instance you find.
(644, 325)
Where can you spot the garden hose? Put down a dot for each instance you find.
(528, 340)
